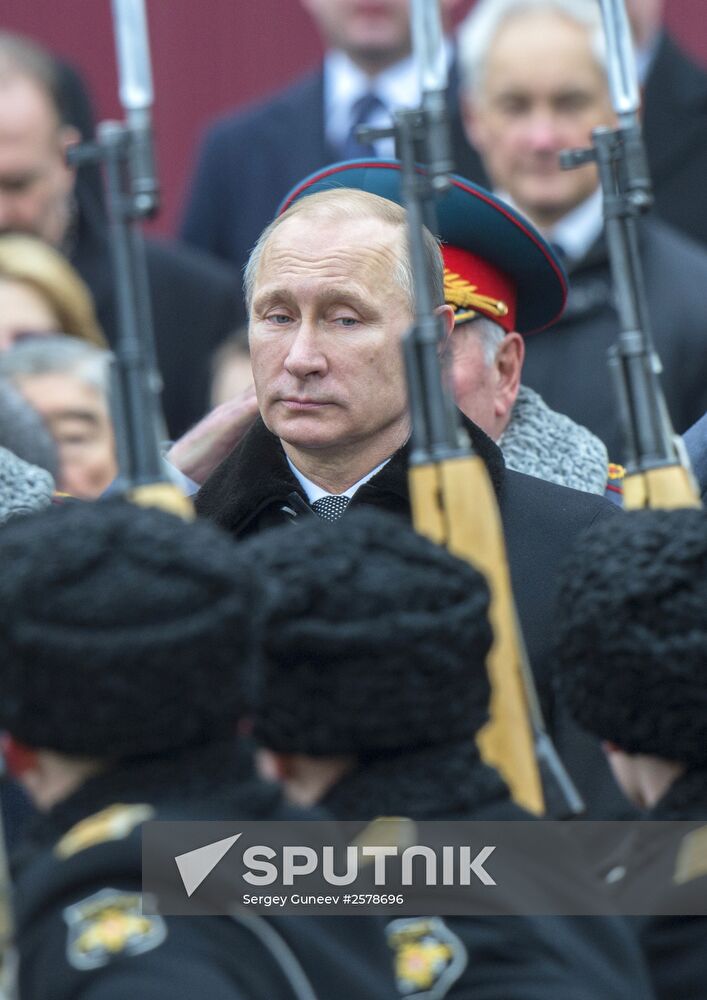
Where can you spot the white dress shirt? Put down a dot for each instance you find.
(314, 492)
(344, 83)
(577, 231)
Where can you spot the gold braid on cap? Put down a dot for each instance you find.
(465, 299)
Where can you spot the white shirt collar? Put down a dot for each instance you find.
(578, 230)
(344, 82)
(315, 492)
(645, 57)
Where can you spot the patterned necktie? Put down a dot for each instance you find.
(330, 507)
(361, 113)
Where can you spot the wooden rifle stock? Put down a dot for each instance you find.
(454, 505)
(452, 497)
(667, 488)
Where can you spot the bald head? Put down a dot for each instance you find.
(349, 206)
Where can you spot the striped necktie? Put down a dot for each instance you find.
(361, 112)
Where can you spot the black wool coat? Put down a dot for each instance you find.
(567, 363)
(675, 134)
(77, 899)
(509, 957)
(668, 869)
(254, 489)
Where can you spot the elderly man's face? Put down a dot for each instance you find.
(35, 183)
(485, 391)
(77, 416)
(542, 92)
(325, 328)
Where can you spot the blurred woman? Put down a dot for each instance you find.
(41, 293)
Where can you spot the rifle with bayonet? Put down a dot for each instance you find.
(125, 151)
(658, 474)
(452, 497)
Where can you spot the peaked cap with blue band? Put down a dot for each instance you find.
(496, 263)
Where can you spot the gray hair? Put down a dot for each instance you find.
(349, 203)
(489, 333)
(23, 432)
(58, 354)
(480, 27)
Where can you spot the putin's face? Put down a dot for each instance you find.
(327, 317)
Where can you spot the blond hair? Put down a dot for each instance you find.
(32, 262)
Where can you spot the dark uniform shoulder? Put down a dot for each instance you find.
(83, 930)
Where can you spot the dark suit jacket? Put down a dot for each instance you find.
(250, 160)
(194, 307)
(567, 363)
(675, 132)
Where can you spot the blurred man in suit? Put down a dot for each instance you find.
(674, 120)
(535, 84)
(251, 159)
(193, 297)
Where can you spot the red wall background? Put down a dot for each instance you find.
(210, 55)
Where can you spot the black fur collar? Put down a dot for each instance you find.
(256, 477)
(448, 781)
(220, 771)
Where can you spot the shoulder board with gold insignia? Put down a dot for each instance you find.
(429, 957)
(387, 831)
(114, 823)
(107, 924)
(615, 477)
(691, 862)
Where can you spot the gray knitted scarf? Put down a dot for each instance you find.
(23, 487)
(548, 445)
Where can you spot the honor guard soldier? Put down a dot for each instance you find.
(373, 688)
(632, 658)
(125, 639)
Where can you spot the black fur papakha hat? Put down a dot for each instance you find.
(632, 634)
(374, 638)
(124, 631)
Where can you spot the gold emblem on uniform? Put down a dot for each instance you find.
(466, 300)
(107, 924)
(114, 823)
(429, 958)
